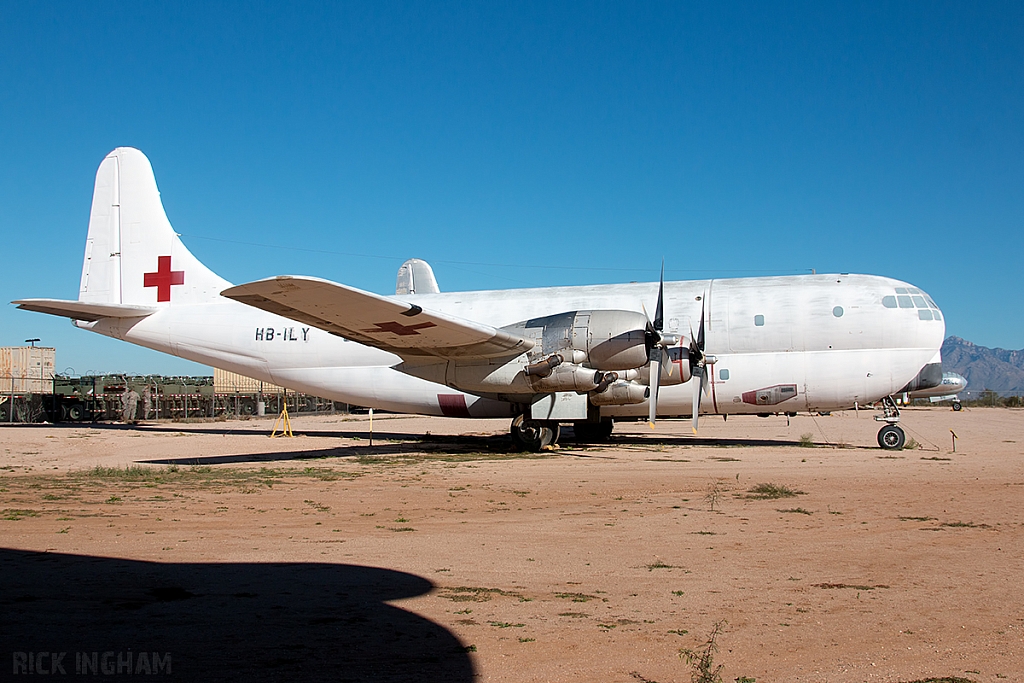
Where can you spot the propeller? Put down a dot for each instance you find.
(657, 348)
(698, 365)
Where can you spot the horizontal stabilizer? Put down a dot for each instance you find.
(384, 323)
(82, 310)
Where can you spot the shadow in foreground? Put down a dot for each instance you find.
(221, 622)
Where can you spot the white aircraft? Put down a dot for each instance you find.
(947, 390)
(544, 357)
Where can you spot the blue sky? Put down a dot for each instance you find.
(524, 144)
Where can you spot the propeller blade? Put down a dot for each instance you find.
(698, 380)
(659, 313)
(700, 330)
(656, 357)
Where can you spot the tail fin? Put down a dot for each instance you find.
(415, 276)
(132, 255)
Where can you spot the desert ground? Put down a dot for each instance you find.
(438, 554)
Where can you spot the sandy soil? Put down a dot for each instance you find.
(449, 558)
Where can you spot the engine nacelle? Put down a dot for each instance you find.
(566, 377)
(621, 393)
(610, 339)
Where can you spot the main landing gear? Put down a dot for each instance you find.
(890, 437)
(593, 432)
(533, 435)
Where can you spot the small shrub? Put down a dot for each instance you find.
(771, 491)
(807, 440)
(702, 660)
(714, 495)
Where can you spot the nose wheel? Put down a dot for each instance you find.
(533, 435)
(892, 438)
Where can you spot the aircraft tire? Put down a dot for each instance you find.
(891, 438)
(530, 435)
(957, 406)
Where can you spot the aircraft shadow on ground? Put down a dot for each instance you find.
(417, 443)
(398, 445)
(385, 445)
(234, 621)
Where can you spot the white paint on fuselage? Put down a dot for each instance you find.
(865, 352)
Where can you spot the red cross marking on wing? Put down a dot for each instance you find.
(163, 278)
(399, 329)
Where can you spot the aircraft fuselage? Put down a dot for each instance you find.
(783, 344)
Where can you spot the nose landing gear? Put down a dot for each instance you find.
(890, 437)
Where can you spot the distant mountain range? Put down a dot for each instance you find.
(996, 369)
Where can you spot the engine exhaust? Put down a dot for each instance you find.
(544, 368)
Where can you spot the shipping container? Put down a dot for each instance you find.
(225, 382)
(26, 369)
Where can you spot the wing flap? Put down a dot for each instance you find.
(81, 310)
(384, 323)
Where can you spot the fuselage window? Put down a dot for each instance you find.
(925, 314)
(759, 320)
(889, 301)
(838, 311)
(919, 302)
(723, 374)
(905, 301)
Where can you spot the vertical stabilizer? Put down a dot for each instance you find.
(132, 255)
(415, 276)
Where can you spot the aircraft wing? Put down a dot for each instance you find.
(382, 322)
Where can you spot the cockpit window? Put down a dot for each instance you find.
(902, 290)
(905, 301)
(930, 302)
(924, 314)
(914, 290)
(919, 302)
(889, 301)
(936, 315)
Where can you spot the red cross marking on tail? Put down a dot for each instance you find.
(163, 278)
